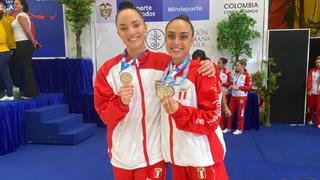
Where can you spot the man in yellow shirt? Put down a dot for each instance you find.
(11, 43)
(6, 22)
(4, 62)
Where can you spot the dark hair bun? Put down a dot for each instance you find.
(125, 5)
(184, 17)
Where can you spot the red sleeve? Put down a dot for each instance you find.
(309, 85)
(248, 83)
(205, 118)
(108, 104)
(229, 78)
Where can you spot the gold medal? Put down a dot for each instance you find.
(161, 91)
(164, 90)
(125, 78)
(169, 91)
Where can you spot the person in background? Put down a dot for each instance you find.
(4, 61)
(191, 137)
(226, 81)
(26, 44)
(199, 54)
(6, 22)
(241, 84)
(313, 99)
(125, 99)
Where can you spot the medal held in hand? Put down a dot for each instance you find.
(165, 86)
(161, 91)
(169, 91)
(164, 90)
(125, 78)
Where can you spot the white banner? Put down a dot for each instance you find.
(108, 43)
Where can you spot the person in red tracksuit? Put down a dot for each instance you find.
(313, 88)
(240, 86)
(130, 108)
(191, 137)
(226, 81)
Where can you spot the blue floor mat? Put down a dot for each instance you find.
(290, 146)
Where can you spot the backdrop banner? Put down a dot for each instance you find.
(204, 14)
(48, 24)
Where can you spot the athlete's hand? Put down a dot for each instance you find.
(227, 112)
(232, 87)
(206, 68)
(126, 93)
(170, 105)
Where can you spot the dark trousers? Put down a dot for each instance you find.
(22, 57)
(14, 68)
(5, 72)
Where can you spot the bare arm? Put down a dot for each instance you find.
(25, 26)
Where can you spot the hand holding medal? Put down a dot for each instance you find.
(125, 78)
(126, 89)
(162, 91)
(170, 105)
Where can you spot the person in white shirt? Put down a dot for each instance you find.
(26, 45)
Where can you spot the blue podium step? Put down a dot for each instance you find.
(79, 133)
(54, 125)
(47, 113)
(64, 123)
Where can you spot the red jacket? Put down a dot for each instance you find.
(243, 81)
(226, 78)
(313, 84)
(192, 136)
(133, 130)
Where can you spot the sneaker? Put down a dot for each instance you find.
(7, 98)
(226, 130)
(237, 132)
(310, 123)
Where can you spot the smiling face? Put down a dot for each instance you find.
(179, 39)
(18, 7)
(239, 67)
(132, 31)
(3, 8)
(220, 64)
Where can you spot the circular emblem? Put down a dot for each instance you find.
(105, 10)
(155, 39)
(165, 90)
(125, 78)
(161, 91)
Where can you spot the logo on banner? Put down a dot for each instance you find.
(150, 9)
(195, 9)
(202, 37)
(249, 7)
(105, 10)
(155, 39)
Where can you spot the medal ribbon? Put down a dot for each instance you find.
(236, 80)
(124, 64)
(170, 72)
